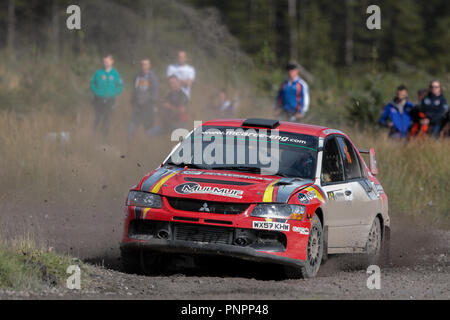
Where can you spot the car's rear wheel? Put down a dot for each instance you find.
(374, 242)
(314, 253)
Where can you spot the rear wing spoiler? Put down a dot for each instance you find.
(372, 160)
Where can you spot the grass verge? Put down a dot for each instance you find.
(26, 267)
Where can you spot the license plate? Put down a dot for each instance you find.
(275, 226)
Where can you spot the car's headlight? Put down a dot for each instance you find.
(144, 199)
(283, 211)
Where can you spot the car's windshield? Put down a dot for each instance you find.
(251, 150)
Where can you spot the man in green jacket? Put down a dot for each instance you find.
(106, 84)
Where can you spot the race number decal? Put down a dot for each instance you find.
(276, 226)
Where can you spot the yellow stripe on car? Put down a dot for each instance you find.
(144, 215)
(268, 194)
(317, 193)
(157, 187)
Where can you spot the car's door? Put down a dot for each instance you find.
(362, 199)
(338, 198)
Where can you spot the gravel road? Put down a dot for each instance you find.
(419, 269)
(426, 280)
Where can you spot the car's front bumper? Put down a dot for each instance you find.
(291, 251)
(195, 248)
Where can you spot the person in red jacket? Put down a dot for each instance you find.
(420, 121)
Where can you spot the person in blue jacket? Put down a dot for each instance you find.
(292, 101)
(106, 84)
(397, 114)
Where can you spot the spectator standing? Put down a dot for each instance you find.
(293, 99)
(434, 105)
(144, 99)
(225, 105)
(184, 72)
(220, 106)
(174, 111)
(397, 114)
(420, 121)
(106, 84)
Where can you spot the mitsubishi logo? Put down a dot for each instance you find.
(204, 208)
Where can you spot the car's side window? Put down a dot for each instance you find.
(352, 166)
(332, 170)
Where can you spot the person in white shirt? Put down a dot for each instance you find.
(184, 72)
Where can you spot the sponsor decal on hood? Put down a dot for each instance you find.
(176, 182)
(195, 188)
(221, 174)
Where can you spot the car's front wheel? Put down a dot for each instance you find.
(143, 263)
(154, 263)
(131, 261)
(314, 253)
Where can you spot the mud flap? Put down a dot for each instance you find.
(325, 244)
(385, 247)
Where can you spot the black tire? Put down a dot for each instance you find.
(314, 254)
(131, 261)
(374, 244)
(153, 264)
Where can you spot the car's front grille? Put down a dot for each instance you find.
(200, 233)
(207, 206)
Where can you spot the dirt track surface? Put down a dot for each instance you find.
(419, 269)
(429, 281)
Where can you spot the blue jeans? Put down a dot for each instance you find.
(435, 129)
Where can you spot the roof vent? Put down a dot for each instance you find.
(261, 123)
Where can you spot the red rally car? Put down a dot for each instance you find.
(218, 194)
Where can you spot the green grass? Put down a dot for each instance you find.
(25, 267)
(414, 175)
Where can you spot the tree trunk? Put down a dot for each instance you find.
(148, 23)
(293, 34)
(11, 32)
(251, 23)
(54, 31)
(292, 13)
(349, 41)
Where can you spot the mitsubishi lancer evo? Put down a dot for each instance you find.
(260, 190)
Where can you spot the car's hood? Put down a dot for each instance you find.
(221, 185)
